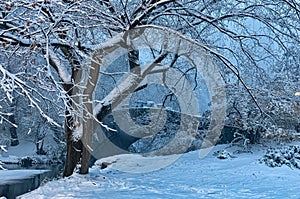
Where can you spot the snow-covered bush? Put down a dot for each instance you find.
(274, 114)
(285, 155)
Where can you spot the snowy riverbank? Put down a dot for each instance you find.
(240, 176)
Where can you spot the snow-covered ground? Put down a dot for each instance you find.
(239, 176)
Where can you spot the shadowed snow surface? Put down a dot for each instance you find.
(188, 177)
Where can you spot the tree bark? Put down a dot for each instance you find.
(14, 141)
(74, 147)
(89, 123)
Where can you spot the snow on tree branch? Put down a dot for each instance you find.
(17, 83)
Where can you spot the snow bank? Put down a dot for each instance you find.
(188, 177)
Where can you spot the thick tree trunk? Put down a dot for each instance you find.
(86, 157)
(73, 149)
(88, 130)
(89, 123)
